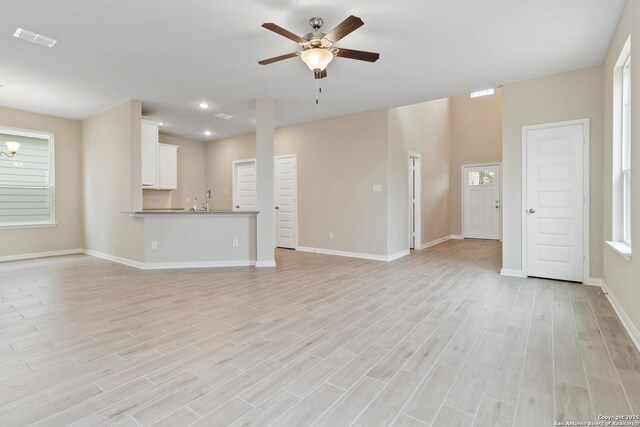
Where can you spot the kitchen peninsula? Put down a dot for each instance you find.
(181, 239)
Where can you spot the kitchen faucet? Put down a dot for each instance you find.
(205, 205)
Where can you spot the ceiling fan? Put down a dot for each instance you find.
(319, 47)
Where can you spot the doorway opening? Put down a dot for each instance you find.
(415, 215)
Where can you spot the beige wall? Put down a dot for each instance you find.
(218, 173)
(619, 274)
(476, 137)
(68, 234)
(424, 129)
(108, 141)
(339, 160)
(191, 177)
(567, 96)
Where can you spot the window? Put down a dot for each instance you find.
(484, 177)
(621, 155)
(626, 151)
(27, 180)
(483, 92)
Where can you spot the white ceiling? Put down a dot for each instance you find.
(173, 54)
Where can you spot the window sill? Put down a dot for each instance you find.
(18, 226)
(622, 249)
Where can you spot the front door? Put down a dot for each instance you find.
(285, 199)
(554, 212)
(481, 202)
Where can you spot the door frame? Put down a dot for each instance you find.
(234, 180)
(417, 238)
(295, 198)
(474, 165)
(586, 221)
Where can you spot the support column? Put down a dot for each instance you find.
(265, 245)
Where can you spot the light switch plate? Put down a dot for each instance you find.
(377, 188)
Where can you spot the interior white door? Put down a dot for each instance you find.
(285, 200)
(481, 202)
(554, 215)
(244, 185)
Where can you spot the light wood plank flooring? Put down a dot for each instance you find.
(436, 338)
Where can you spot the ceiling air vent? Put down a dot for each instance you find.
(36, 38)
(223, 116)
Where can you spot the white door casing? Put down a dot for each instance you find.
(555, 205)
(244, 185)
(481, 203)
(285, 197)
(414, 198)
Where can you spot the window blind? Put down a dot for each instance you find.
(25, 181)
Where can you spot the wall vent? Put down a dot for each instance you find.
(36, 38)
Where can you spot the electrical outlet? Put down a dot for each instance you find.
(331, 235)
(226, 191)
(188, 200)
(235, 243)
(436, 228)
(154, 244)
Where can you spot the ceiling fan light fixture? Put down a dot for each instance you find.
(317, 58)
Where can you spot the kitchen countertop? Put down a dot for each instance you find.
(186, 212)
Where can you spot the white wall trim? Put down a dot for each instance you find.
(125, 261)
(622, 315)
(360, 255)
(511, 273)
(35, 255)
(435, 242)
(197, 264)
(398, 255)
(264, 264)
(456, 237)
(593, 281)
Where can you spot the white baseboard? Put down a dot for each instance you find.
(125, 261)
(622, 315)
(263, 264)
(360, 255)
(197, 264)
(35, 255)
(398, 255)
(593, 281)
(435, 242)
(511, 273)
(456, 237)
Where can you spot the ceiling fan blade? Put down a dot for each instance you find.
(278, 58)
(346, 27)
(360, 55)
(320, 74)
(285, 33)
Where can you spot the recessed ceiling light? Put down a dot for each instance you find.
(203, 105)
(36, 38)
(223, 116)
(161, 124)
(207, 132)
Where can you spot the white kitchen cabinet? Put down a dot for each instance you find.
(167, 167)
(149, 154)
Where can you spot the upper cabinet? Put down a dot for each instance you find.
(167, 167)
(159, 161)
(149, 154)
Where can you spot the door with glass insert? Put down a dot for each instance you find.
(481, 202)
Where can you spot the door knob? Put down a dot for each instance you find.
(532, 211)
(277, 207)
(237, 207)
